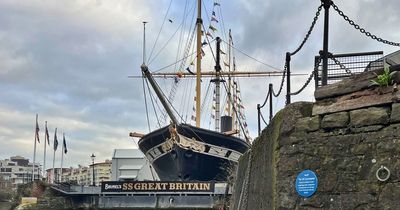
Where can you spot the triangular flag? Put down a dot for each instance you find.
(204, 43)
(217, 4)
(212, 28)
(222, 52)
(226, 64)
(191, 63)
(208, 34)
(190, 72)
(213, 13)
(214, 19)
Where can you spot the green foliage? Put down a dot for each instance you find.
(385, 79)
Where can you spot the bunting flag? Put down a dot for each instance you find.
(226, 64)
(55, 142)
(217, 4)
(190, 72)
(213, 13)
(213, 107)
(214, 19)
(191, 63)
(176, 79)
(65, 144)
(212, 28)
(193, 118)
(194, 109)
(204, 43)
(37, 131)
(222, 52)
(170, 20)
(202, 53)
(47, 135)
(212, 116)
(208, 34)
(202, 32)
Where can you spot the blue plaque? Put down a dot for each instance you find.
(306, 183)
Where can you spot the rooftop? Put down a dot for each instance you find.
(127, 153)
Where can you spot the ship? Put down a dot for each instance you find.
(180, 151)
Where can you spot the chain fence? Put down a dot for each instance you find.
(362, 30)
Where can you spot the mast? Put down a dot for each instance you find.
(199, 23)
(153, 83)
(217, 81)
(229, 77)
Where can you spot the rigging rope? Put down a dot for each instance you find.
(158, 36)
(145, 103)
(152, 102)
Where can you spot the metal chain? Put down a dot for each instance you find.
(309, 30)
(283, 81)
(309, 78)
(362, 30)
(337, 62)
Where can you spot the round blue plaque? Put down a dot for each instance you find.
(306, 183)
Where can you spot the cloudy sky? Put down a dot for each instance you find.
(69, 61)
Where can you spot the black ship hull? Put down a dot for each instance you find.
(190, 153)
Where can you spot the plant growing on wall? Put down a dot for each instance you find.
(384, 79)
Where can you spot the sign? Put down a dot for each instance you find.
(306, 183)
(157, 186)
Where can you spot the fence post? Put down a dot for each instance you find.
(327, 4)
(270, 102)
(258, 115)
(287, 78)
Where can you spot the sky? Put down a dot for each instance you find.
(69, 62)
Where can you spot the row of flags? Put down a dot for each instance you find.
(47, 142)
(47, 137)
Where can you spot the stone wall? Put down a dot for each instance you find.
(344, 149)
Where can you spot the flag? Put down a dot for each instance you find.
(226, 64)
(214, 19)
(213, 13)
(190, 72)
(170, 20)
(193, 118)
(191, 63)
(65, 145)
(47, 135)
(37, 130)
(217, 4)
(202, 53)
(212, 28)
(204, 43)
(55, 142)
(222, 52)
(208, 34)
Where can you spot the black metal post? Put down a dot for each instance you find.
(327, 4)
(259, 123)
(287, 78)
(93, 156)
(270, 102)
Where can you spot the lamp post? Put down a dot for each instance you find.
(93, 156)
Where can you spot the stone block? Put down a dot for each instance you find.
(369, 116)
(308, 124)
(336, 120)
(395, 115)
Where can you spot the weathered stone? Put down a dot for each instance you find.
(395, 115)
(370, 116)
(337, 120)
(389, 197)
(366, 129)
(308, 124)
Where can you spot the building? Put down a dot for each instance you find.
(57, 174)
(102, 172)
(131, 164)
(17, 170)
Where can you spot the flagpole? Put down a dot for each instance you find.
(44, 156)
(34, 149)
(62, 159)
(54, 154)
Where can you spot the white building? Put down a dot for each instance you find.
(131, 164)
(17, 170)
